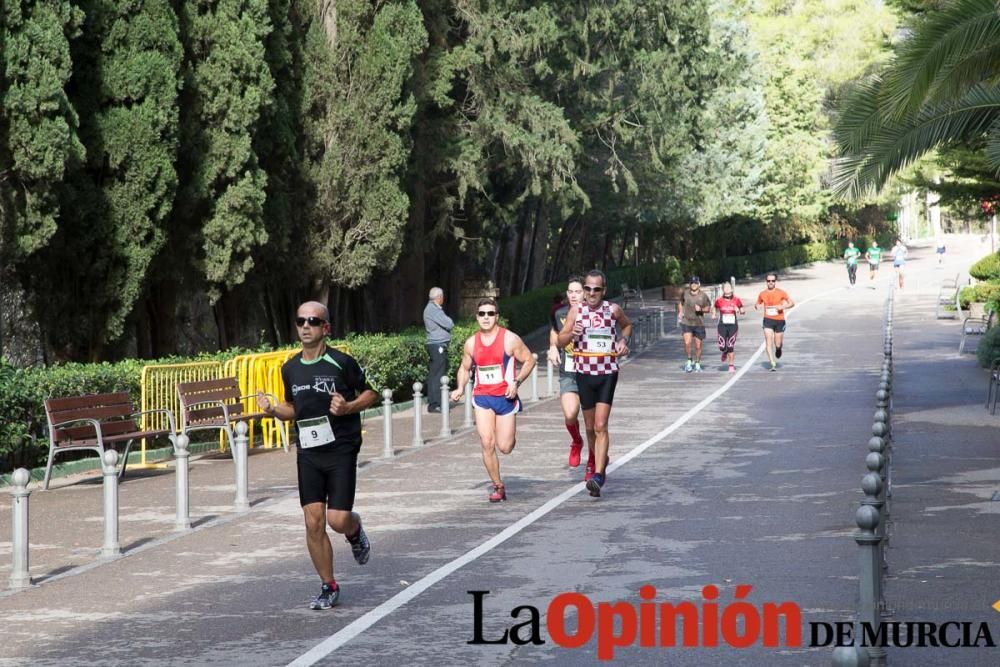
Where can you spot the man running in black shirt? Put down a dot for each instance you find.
(325, 392)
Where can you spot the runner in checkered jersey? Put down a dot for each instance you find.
(599, 330)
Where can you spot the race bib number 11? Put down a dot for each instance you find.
(490, 374)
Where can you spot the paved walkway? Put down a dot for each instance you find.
(750, 480)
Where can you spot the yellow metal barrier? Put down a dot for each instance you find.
(159, 390)
(253, 372)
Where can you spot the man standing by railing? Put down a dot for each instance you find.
(439, 327)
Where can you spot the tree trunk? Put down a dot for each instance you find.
(328, 19)
(163, 317)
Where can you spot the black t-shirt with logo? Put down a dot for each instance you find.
(309, 384)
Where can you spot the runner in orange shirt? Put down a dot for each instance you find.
(775, 302)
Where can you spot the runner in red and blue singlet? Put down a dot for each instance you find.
(494, 349)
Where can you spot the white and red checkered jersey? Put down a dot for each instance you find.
(594, 350)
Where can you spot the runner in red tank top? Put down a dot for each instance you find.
(494, 350)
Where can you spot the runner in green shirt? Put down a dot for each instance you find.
(874, 256)
(851, 255)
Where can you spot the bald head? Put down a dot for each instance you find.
(315, 309)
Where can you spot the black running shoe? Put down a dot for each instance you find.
(777, 352)
(360, 546)
(328, 597)
(595, 483)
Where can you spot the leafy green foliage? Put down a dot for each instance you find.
(987, 292)
(988, 348)
(38, 125)
(125, 83)
(359, 114)
(228, 88)
(987, 268)
(940, 88)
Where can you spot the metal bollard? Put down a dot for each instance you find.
(445, 408)
(182, 482)
(882, 399)
(549, 376)
(663, 325)
(867, 518)
(418, 416)
(241, 445)
(534, 378)
(19, 570)
(871, 485)
(468, 422)
(387, 423)
(879, 446)
(109, 462)
(875, 462)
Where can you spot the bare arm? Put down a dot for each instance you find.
(621, 347)
(569, 329)
(340, 407)
(284, 410)
(519, 351)
(553, 347)
(463, 371)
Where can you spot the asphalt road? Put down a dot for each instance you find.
(747, 484)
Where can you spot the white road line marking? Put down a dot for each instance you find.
(359, 625)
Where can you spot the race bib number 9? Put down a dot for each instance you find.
(315, 432)
(600, 340)
(489, 375)
(771, 311)
(729, 318)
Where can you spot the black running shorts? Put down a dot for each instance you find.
(696, 331)
(777, 325)
(594, 389)
(327, 477)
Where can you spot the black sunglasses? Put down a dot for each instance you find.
(487, 313)
(771, 281)
(588, 288)
(313, 321)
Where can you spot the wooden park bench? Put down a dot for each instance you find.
(975, 326)
(993, 388)
(97, 422)
(631, 293)
(948, 295)
(217, 405)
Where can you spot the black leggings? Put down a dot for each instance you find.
(852, 272)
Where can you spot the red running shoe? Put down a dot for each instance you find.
(498, 494)
(574, 455)
(589, 471)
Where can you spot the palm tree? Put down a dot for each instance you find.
(943, 86)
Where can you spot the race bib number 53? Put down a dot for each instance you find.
(599, 340)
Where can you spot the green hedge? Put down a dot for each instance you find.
(988, 292)
(988, 348)
(395, 361)
(987, 268)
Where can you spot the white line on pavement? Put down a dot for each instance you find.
(359, 625)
